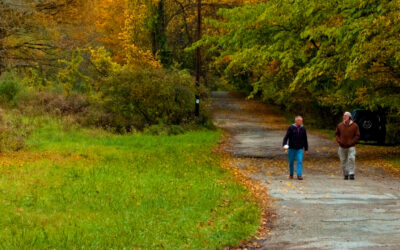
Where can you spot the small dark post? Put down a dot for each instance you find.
(198, 59)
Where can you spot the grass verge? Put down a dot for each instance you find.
(79, 188)
(395, 161)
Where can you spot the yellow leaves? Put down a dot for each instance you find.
(122, 28)
(257, 188)
(252, 1)
(21, 158)
(335, 21)
(19, 211)
(324, 148)
(290, 185)
(139, 57)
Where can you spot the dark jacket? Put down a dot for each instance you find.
(297, 137)
(347, 134)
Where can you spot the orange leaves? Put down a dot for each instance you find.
(274, 66)
(21, 158)
(109, 21)
(258, 190)
(121, 27)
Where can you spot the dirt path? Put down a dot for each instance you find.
(323, 211)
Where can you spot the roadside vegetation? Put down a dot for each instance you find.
(394, 159)
(99, 144)
(313, 58)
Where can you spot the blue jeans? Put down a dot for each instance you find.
(296, 154)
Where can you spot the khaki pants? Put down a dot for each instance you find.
(347, 160)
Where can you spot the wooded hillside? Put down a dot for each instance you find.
(316, 58)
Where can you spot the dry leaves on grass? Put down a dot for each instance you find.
(21, 158)
(259, 192)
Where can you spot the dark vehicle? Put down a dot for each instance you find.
(372, 125)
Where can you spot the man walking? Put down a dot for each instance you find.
(347, 134)
(297, 136)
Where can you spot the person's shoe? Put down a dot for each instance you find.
(346, 177)
(352, 177)
(291, 176)
(299, 178)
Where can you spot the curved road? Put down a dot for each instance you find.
(323, 211)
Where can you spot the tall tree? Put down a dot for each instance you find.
(331, 55)
(32, 32)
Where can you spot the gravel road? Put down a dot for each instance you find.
(323, 211)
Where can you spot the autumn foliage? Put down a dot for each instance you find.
(108, 54)
(316, 58)
(309, 57)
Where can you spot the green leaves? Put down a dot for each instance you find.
(338, 54)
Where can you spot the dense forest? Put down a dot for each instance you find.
(128, 64)
(316, 58)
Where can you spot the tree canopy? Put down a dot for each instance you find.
(309, 56)
(330, 54)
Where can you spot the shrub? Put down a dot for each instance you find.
(11, 88)
(54, 103)
(149, 96)
(116, 97)
(393, 131)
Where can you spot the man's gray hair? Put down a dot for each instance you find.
(349, 114)
(297, 117)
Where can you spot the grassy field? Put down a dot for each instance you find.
(78, 188)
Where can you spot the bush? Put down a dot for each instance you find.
(393, 131)
(54, 103)
(144, 97)
(121, 98)
(11, 88)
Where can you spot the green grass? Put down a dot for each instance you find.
(79, 188)
(395, 160)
